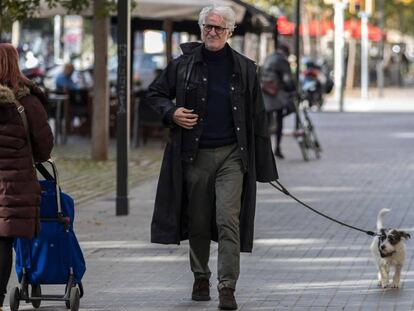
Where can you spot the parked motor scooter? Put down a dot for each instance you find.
(31, 67)
(36, 75)
(313, 82)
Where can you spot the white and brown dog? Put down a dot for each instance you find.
(388, 249)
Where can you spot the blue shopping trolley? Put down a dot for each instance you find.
(54, 256)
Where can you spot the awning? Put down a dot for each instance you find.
(317, 28)
(314, 28)
(150, 14)
(354, 28)
(176, 10)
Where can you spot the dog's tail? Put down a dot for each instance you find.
(380, 217)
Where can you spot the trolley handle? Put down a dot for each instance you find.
(55, 177)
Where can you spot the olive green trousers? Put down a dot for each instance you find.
(214, 184)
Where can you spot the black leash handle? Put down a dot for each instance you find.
(282, 189)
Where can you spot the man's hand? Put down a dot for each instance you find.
(185, 118)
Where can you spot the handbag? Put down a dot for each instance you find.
(289, 108)
(274, 97)
(270, 88)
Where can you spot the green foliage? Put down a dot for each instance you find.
(399, 16)
(12, 10)
(274, 7)
(283, 7)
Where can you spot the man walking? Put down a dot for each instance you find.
(219, 147)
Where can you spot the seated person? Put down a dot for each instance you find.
(64, 82)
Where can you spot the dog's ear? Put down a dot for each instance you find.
(404, 235)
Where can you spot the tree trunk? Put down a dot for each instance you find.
(100, 117)
(350, 76)
(168, 28)
(1, 24)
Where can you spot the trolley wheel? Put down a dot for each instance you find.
(36, 292)
(14, 299)
(74, 299)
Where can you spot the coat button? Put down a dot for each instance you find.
(238, 128)
(196, 139)
(191, 159)
(201, 119)
(204, 79)
(203, 99)
(241, 148)
(235, 108)
(232, 88)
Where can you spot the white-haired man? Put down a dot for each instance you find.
(219, 147)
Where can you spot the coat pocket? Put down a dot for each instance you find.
(191, 95)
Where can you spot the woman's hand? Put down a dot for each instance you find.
(185, 118)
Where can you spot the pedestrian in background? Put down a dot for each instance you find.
(278, 86)
(64, 81)
(219, 147)
(19, 188)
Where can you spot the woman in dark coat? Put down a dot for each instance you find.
(19, 188)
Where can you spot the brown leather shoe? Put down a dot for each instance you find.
(227, 300)
(201, 290)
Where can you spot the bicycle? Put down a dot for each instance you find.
(305, 132)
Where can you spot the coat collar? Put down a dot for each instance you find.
(7, 96)
(195, 49)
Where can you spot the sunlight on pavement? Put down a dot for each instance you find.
(309, 189)
(357, 283)
(113, 244)
(151, 259)
(403, 135)
(281, 242)
(319, 260)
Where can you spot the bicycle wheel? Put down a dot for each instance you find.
(301, 138)
(317, 147)
(313, 141)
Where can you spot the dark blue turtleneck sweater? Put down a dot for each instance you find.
(218, 129)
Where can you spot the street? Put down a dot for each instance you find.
(300, 260)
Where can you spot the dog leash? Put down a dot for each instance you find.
(282, 189)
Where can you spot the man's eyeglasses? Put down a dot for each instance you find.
(218, 29)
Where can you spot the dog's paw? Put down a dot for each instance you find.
(395, 285)
(384, 285)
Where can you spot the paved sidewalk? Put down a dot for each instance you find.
(300, 260)
(393, 99)
(86, 179)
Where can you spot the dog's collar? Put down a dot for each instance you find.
(383, 255)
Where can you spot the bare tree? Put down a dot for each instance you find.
(100, 119)
(20, 10)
